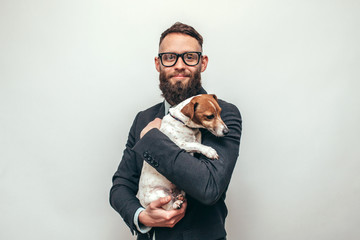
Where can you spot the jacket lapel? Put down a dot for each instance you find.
(161, 112)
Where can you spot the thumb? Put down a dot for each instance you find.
(161, 201)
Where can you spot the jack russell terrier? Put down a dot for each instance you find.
(182, 125)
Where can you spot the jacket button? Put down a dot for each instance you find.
(156, 164)
(146, 154)
(149, 158)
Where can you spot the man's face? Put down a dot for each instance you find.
(180, 81)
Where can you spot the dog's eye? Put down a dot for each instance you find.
(210, 116)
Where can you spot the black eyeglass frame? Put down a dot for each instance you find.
(182, 57)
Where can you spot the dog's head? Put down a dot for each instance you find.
(204, 112)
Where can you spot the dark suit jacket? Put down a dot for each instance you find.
(204, 181)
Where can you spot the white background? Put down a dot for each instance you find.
(73, 74)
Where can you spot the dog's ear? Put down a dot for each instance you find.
(189, 109)
(214, 96)
(195, 106)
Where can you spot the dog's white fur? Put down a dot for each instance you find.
(186, 134)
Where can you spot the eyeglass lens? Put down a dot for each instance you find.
(190, 58)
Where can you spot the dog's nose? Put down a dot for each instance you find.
(225, 131)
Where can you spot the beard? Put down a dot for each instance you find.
(174, 93)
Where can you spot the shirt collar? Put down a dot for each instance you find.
(167, 107)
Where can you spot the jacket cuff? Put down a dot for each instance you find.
(140, 227)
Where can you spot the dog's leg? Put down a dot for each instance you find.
(200, 148)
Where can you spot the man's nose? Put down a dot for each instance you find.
(180, 63)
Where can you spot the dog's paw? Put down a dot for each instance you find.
(179, 200)
(177, 204)
(211, 153)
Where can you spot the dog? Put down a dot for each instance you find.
(182, 126)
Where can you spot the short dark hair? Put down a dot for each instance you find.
(179, 27)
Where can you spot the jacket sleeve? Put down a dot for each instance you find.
(125, 183)
(205, 180)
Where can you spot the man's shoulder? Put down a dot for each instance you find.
(145, 116)
(227, 106)
(149, 114)
(153, 110)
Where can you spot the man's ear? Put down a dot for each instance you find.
(204, 62)
(157, 64)
(189, 109)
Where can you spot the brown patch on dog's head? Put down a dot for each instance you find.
(204, 110)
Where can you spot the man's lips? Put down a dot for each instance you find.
(179, 76)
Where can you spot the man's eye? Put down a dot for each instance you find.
(169, 57)
(189, 56)
(210, 116)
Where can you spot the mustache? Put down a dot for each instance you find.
(180, 72)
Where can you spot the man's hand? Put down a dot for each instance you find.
(155, 216)
(156, 123)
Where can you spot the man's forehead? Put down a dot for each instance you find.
(178, 42)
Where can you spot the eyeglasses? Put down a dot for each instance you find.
(169, 59)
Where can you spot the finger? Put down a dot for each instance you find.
(183, 208)
(157, 122)
(172, 222)
(184, 205)
(160, 202)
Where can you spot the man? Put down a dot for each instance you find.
(205, 181)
